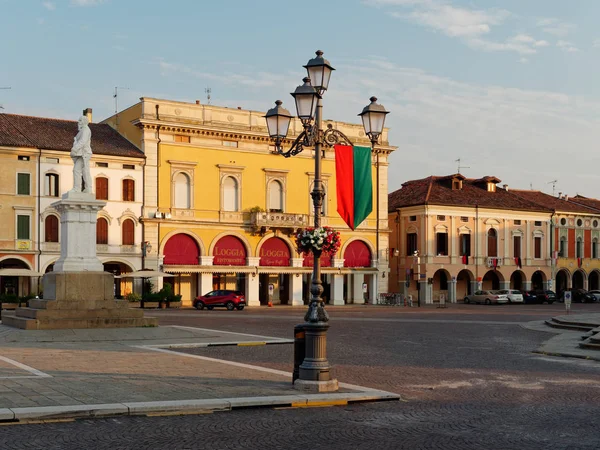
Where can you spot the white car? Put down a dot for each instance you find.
(487, 297)
(513, 295)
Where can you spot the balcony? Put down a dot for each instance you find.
(264, 221)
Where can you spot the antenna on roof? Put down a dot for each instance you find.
(459, 166)
(531, 186)
(553, 183)
(207, 91)
(116, 97)
(2, 107)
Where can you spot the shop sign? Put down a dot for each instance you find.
(274, 252)
(229, 251)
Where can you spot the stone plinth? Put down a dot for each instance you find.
(77, 300)
(78, 216)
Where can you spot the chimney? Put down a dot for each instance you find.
(87, 112)
(560, 195)
(566, 198)
(197, 102)
(505, 186)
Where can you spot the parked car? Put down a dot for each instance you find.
(487, 297)
(579, 295)
(540, 297)
(595, 294)
(222, 297)
(513, 295)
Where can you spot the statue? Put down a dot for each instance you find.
(81, 154)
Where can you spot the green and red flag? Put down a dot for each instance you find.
(354, 185)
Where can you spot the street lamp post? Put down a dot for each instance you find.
(315, 369)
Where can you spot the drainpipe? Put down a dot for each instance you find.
(476, 246)
(158, 164)
(398, 218)
(39, 216)
(552, 245)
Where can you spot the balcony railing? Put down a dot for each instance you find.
(278, 220)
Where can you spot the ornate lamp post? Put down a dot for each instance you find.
(308, 97)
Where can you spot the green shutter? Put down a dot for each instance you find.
(23, 184)
(23, 227)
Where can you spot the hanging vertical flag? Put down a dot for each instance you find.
(465, 259)
(353, 182)
(579, 262)
(495, 262)
(518, 262)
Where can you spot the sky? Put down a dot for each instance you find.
(507, 86)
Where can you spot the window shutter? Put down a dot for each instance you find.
(23, 227)
(23, 184)
(101, 231)
(127, 231)
(517, 246)
(51, 226)
(102, 188)
(128, 188)
(538, 247)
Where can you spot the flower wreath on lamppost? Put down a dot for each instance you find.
(308, 97)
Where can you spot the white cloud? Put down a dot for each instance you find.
(555, 27)
(50, 6)
(567, 46)
(86, 2)
(523, 60)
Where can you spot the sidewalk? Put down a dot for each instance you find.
(102, 372)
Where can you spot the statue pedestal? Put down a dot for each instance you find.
(78, 216)
(78, 294)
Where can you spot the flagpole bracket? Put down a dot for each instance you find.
(311, 136)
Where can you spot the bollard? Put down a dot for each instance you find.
(299, 350)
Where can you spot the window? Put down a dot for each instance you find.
(537, 247)
(275, 196)
(128, 233)
(230, 194)
(563, 221)
(465, 245)
(51, 185)
(442, 244)
(182, 138)
(412, 219)
(129, 166)
(579, 248)
(182, 191)
(23, 231)
(411, 244)
(230, 144)
(455, 185)
(464, 219)
(441, 218)
(101, 231)
(23, 158)
(579, 222)
(128, 190)
(595, 248)
(51, 229)
(491, 187)
(101, 188)
(101, 164)
(517, 246)
(563, 247)
(23, 184)
(517, 222)
(52, 160)
(537, 223)
(492, 243)
(595, 223)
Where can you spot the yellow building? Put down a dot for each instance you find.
(221, 209)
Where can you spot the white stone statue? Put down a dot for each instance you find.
(81, 154)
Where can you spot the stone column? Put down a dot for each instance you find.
(451, 291)
(295, 293)
(425, 296)
(337, 289)
(373, 291)
(252, 296)
(506, 284)
(526, 286)
(474, 286)
(357, 294)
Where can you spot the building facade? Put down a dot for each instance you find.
(221, 209)
(36, 152)
(451, 236)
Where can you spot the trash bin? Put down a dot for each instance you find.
(299, 350)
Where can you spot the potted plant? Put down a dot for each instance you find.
(318, 240)
(133, 299)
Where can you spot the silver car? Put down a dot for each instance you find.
(487, 297)
(513, 295)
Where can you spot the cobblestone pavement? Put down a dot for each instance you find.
(469, 381)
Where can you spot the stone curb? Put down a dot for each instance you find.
(188, 406)
(220, 344)
(568, 355)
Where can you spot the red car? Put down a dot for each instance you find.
(229, 299)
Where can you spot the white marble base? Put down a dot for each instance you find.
(316, 386)
(78, 215)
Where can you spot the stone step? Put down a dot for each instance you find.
(589, 325)
(46, 314)
(78, 304)
(590, 345)
(36, 324)
(568, 326)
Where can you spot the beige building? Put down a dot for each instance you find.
(469, 234)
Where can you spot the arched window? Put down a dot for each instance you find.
(275, 196)
(127, 230)
(492, 243)
(182, 191)
(101, 188)
(579, 248)
(51, 229)
(563, 247)
(230, 194)
(102, 231)
(595, 248)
